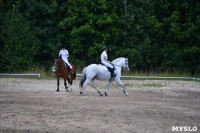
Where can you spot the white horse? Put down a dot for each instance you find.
(100, 72)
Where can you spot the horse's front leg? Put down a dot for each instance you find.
(124, 88)
(107, 88)
(65, 84)
(70, 84)
(94, 86)
(58, 83)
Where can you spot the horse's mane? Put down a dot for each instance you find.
(117, 60)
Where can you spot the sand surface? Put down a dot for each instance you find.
(152, 106)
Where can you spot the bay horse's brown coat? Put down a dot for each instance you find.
(62, 71)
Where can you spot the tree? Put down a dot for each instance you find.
(19, 42)
(91, 25)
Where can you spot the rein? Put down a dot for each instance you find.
(116, 65)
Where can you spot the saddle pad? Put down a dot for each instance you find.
(103, 67)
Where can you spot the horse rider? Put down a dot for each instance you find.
(104, 60)
(65, 55)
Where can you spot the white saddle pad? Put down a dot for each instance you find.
(103, 67)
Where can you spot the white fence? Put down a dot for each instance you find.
(153, 77)
(20, 74)
(135, 77)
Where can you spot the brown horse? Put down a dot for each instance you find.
(62, 71)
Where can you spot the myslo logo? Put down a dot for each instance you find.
(184, 128)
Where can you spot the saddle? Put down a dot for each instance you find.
(68, 67)
(103, 67)
(109, 69)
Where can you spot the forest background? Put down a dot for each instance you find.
(156, 35)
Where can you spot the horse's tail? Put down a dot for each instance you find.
(83, 78)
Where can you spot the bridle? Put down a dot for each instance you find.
(126, 68)
(116, 65)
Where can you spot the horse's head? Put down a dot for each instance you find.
(57, 61)
(125, 66)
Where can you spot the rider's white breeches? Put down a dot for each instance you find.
(108, 64)
(66, 61)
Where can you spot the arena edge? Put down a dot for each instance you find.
(184, 128)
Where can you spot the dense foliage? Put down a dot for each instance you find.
(156, 35)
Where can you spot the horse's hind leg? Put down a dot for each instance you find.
(84, 84)
(94, 86)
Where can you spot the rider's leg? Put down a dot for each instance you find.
(69, 67)
(111, 69)
(112, 73)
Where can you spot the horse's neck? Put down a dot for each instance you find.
(118, 62)
(118, 65)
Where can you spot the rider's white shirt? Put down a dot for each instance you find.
(64, 54)
(104, 54)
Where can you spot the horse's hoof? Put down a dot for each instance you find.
(100, 93)
(81, 93)
(126, 93)
(57, 90)
(106, 94)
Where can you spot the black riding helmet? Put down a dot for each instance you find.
(104, 47)
(63, 46)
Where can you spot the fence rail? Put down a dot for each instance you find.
(136, 77)
(20, 74)
(153, 77)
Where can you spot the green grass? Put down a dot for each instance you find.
(140, 85)
(151, 85)
(157, 74)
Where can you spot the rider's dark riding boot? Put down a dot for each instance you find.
(69, 69)
(112, 74)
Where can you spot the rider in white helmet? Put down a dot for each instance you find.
(65, 55)
(104, 60)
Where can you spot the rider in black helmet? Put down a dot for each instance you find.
(104, 61)
(65, 55)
